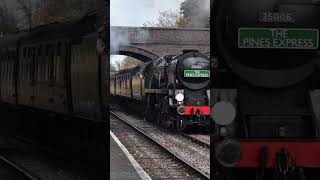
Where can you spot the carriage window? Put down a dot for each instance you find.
(1, 64)
(28, 64)
(23, 69)
(33, 64)
(3, 70)
(9, 55)
(57, 62)
(13, 55)
(10, 67)
(5, 65)
(2, 67)
(38, 63)
(25, 65)
(8, 64)
(24, 53)
(42, 63)
(52, 64)
(47, 62)
(12, 64)
(6, 69)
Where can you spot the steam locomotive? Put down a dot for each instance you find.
(266, 91)
(174, 89)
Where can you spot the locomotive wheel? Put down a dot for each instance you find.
(179, 125)
(158, 112)
(159, 116)
(150, 109)
(164, 114)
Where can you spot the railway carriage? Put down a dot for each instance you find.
(55, 68)
(58, 73)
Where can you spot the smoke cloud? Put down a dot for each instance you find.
(197, 12)
(124, 36)
(118, 37)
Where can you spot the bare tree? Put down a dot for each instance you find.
(112, 68)
(168, 19)
(192, 14)
(117, 65)
(130, 62)
(8, 22)
(50, 11)
(125, 63)
(26, 7)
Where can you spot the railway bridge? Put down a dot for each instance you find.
(146, 43)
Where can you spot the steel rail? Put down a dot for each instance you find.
(175, 155)
(23, 171)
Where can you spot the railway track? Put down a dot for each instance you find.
(38, 162)
(12, 171)
(203, 140)
(192, 153)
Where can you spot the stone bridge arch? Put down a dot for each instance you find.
(135, 52)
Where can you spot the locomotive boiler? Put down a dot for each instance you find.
(265, 96)
(174, 89)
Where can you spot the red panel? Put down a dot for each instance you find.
(306, 154)
(192, 110)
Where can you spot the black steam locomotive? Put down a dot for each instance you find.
(175, 89)
(266, 90)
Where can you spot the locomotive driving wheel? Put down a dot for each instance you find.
(150, 108)
(164, 116)
(179, 125)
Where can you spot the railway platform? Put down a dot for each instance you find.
(122, 164)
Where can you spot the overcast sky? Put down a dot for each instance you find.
(137, 12)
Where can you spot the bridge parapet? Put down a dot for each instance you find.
(158, 41)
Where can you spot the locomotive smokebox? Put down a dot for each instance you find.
(193, 69)
(275, 40)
